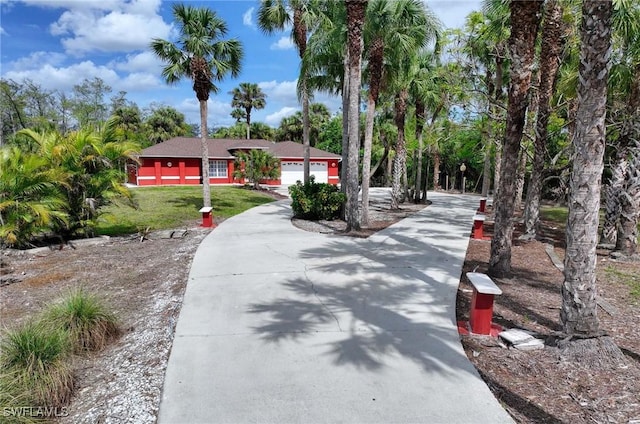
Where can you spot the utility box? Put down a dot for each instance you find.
(484, 290)
(207, 216)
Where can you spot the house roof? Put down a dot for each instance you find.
(189, 147)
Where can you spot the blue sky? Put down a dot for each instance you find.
(58, 43)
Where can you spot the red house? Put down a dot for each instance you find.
(178, 161)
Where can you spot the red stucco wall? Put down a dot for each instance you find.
(169, 171)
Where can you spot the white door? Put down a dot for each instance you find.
(294, 171)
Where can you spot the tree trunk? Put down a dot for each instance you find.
(389, 171)
(305, 133)
(399, 163)
(420, 119)
(627, 242)
(366, 159)
(552, 46)
(436, 170)
(520, 176)
(497, 170)
(376, 54)
(345, 126)
(525, 19)
(355, 21)
(486, 170)
(579, 291)
(204, 149)
(615, 189)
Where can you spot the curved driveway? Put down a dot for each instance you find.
(280, 325)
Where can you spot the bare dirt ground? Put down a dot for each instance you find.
(542, 386)
(144, 282)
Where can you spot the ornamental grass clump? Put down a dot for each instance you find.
(87, 320)
(35, 368)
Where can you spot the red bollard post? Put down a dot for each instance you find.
(483, 204)
(484, 290)
(207, 216)
(478, 223)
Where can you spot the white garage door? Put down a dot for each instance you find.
(294, 171)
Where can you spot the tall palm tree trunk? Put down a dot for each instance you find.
(579, 291)
(306, 143)
(520, 177)
(376, 52)
(366, 159)
(627, 240)
(552, 46)
(615, 190)
(525, 19)
(400, 159)
(486, 168)
(355, 21)
(204, 150)
(420, 119)
(436, 169)
(495, 113)
(345, 127)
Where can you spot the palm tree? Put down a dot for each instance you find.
(525, 19)
(290, 128)
(392, 26)
(31, 201)
(621, 208)
(247, 97)
(93, 165)
(552, 45)
(255, 166)
(579, 307)
(202, 55)
(402, 68)
(276, 15)
(489, 32)
(355, 22)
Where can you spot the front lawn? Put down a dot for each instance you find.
(175, 207)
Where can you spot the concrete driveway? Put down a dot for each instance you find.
(280, 325)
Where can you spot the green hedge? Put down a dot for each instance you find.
(315, 201)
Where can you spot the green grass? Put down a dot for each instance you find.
(174, 207)
(85, 317)
(556, 214)
(35, 368)
(628, 279)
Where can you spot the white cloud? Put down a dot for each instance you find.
(75, 4)
(109, 25)
(64, 79)
(284, 43)
(247, 18)
(139, 81)
(36, 60)
(2, 31)
(219, 113)
(275, 118)
(280, 92)
(139, 62)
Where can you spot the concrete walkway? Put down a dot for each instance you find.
(280, 325)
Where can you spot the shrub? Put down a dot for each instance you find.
(35, 368)
(316, 200)
(89, 323)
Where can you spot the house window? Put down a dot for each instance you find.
(217, 169)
